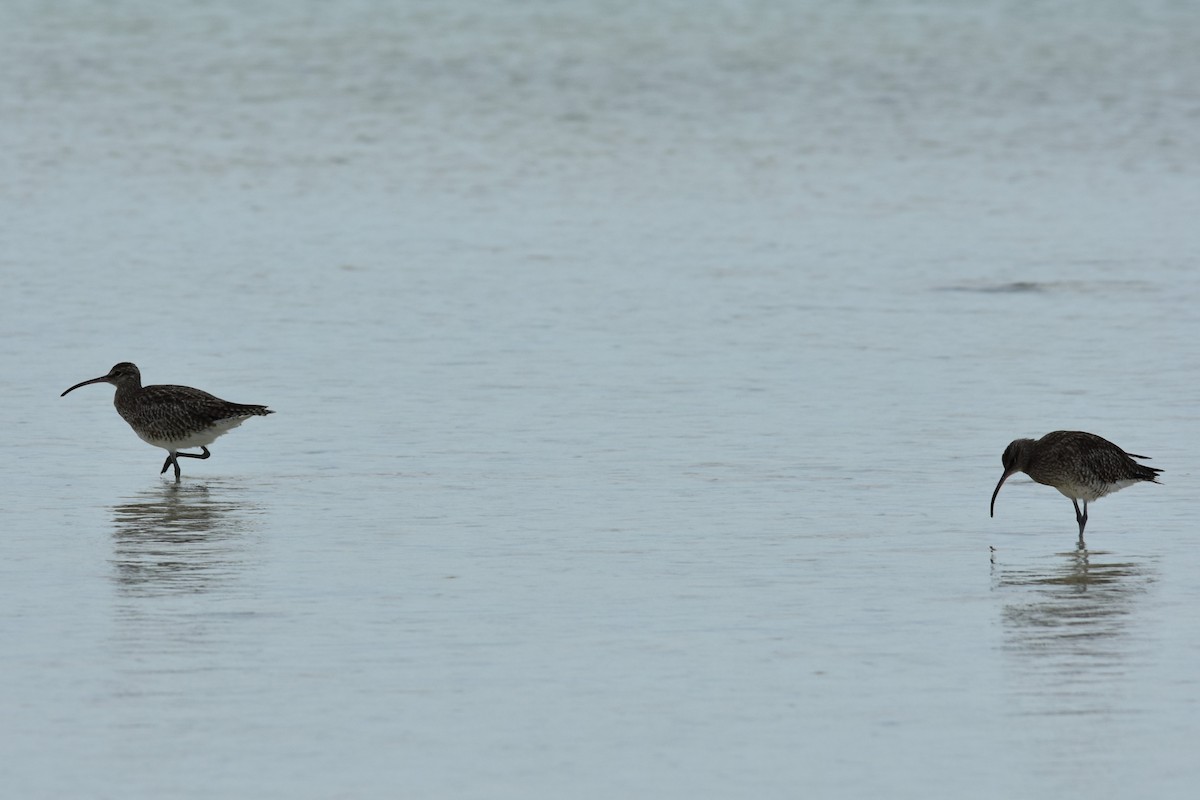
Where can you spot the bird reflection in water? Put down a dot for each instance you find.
(180, 539)
(1070, 625)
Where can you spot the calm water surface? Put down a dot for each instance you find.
(641, 377)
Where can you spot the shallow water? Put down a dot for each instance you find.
(641, 378)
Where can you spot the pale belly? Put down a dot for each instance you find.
(194, 439)
(1090, 493)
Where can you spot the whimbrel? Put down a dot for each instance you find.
(1083, 466)
(172, 417)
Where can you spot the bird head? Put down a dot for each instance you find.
(1015, 459)
(123, 374)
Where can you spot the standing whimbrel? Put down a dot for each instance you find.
(172, 417)
(1081, 465)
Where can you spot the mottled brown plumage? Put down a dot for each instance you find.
(1083, 466)
(172, 417)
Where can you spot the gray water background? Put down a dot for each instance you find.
(641, 374)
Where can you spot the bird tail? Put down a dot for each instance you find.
(251, 410)
(1143, 472)
(1147, 473)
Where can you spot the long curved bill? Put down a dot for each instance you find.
(1003, 478)
(101, 379)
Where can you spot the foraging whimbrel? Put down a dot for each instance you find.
(172, 417)
(1081, 465)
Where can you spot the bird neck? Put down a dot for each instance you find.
(1024, 454)
(126, 390)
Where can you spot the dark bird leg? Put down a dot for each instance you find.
(1080, 518)
(171, 462)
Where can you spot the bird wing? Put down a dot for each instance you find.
(183, 407)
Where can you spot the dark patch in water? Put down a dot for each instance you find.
(1014, 287)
